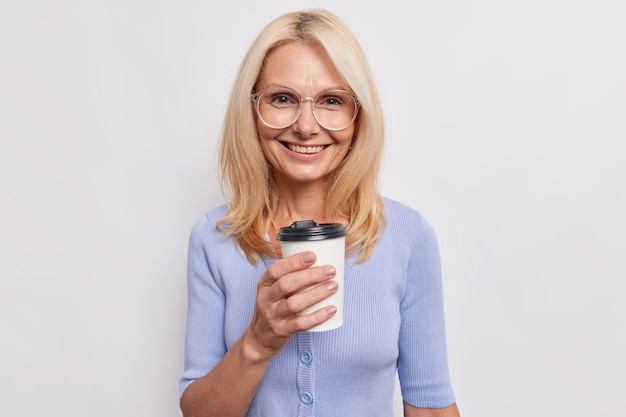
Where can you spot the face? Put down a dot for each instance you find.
(304, 153)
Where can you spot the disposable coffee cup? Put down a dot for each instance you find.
(328, 242)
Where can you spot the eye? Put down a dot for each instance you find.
(330, 101)
(282, 99)
(334, 99)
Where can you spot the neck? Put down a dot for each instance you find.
(300, 204)
(298, 201)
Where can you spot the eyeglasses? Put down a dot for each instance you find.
(279, 108)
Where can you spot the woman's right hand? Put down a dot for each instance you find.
(279, 302)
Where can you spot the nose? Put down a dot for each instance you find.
(306, 124)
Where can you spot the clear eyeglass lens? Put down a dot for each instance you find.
(280, 108)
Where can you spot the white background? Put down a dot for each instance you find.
(506, 129)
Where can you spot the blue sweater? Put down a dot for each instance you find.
(393, 320)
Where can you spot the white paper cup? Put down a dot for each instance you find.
(327, 240)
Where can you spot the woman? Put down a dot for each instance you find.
(302, 139)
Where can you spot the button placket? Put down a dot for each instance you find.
(306, 397)
(306, 357)
(305, 373)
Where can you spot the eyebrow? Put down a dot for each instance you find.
(272, 85)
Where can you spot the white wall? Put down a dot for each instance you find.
(506, 128)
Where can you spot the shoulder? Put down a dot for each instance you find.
(205, 228)
(403, 220)
(210, 250)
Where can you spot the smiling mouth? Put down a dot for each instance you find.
(304, 149)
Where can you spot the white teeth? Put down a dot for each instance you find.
(305, 149)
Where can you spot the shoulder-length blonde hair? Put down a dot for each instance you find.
(245, 173)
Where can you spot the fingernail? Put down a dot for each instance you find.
(332, 285)
(308, 258)
(328, 270)
(331, 310)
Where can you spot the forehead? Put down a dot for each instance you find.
(304, 68)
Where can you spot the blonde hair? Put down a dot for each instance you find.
(353, 188)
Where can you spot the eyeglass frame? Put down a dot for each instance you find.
(255, 99)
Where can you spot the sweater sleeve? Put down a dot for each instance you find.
(422, 361)
(204, 338)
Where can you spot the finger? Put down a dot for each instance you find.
(287, 265)
(307, 321)
(299, 281)
(299, 302)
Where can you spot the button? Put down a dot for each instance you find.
(306, 357)
(306, 397)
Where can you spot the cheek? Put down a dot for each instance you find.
(262, 133)
(266, 138)
(265, 133)
(345, 136)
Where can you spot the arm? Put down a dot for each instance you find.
(410, 411)
(229, 387)
(422, 361)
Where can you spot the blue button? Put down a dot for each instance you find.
(306, 397)
(306, 357)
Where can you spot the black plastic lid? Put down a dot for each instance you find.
(305, 230)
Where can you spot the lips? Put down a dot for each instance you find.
(305, 149)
